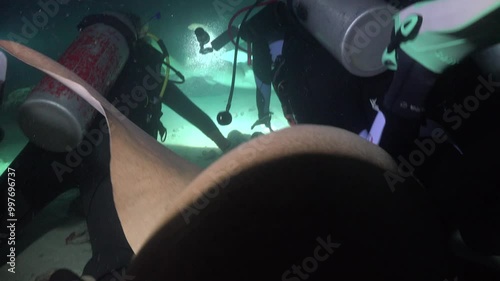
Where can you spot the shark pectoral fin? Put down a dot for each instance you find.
(146, 178)
(145, 175)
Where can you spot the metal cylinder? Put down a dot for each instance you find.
(355, 32)
(53, 116)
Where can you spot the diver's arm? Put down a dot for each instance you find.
(182, 105)
(429, 37)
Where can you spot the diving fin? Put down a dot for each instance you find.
(440, 34)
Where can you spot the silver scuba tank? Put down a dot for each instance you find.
(53, 116)
(355, 32)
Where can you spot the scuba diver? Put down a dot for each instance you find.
(289, 59)
(3, 73)
(170, 94)
(265, 32)
(111, 252)
(315, 88)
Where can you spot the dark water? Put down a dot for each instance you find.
(51, 35)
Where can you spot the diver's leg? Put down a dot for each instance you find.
(262, 65)
(182, 105)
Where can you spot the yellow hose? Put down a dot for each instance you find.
(167, 73)
(167, 76)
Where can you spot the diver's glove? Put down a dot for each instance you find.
(264, 120)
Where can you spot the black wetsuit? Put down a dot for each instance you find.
(264, 28)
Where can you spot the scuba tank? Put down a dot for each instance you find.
(355, 32)
(55, 118)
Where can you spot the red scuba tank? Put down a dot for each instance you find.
(53, 116)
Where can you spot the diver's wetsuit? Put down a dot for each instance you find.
(265, 31)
